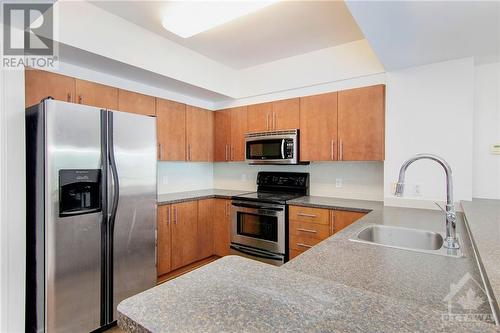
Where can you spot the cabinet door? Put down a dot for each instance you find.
(129, 101)
(285, 114)
(164, 240)
(342, 219)
(42, 84)
(171, 130)
(259, 117)
(205, 228)
(199, 134)
(95, 94)
(222, 135)
(318, 127)
(361, 124)
(184, 218)
(238, 130)
(222, 227)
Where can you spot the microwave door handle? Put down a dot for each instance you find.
(283, 142)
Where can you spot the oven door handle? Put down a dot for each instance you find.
(257, 206)
(256, 254)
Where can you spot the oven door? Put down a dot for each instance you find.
(261, 226)
(262, 256)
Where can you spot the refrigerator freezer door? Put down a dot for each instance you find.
(72, 241)
(134, 248)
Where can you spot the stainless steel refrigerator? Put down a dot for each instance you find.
(91, 214)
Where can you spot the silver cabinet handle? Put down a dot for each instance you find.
(306, 215)
(189, 152)
(274, 120)
(225, 151)
(68, 97)
(304, 245)
(332, 144)
(161, 151)
(175, 215)
(341, 148)
(80, 99)
(168, 216)
(228, 213)
(232, 153)
(307, 230)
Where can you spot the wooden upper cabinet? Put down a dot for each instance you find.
(171, 130)
(318, 127)
(184, 224)
(41, 84)
(164, 240)
(259, 117)
(285, 114)
(239, 120)
(361, 118)
(129, 101)
(222, 227)
(95, 94)
(199, 134)
(205, 228)
(222, 136)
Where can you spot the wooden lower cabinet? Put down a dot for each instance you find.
(184, 233)
(206, 211)
(309, 226)
(222, 227)
(164, 241)
(191, 231)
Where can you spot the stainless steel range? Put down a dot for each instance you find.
(259, 227)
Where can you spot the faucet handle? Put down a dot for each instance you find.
(442, 209)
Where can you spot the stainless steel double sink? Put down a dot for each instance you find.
(405, 239)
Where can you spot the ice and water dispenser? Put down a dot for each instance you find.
(79, 191)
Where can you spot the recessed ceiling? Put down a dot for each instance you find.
(412, 33)
(284, 29)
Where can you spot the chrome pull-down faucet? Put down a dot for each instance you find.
(451, 240)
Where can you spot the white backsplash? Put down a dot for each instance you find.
(183, 176)
(360, 180)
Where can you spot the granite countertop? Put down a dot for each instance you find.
(235, 294)
(483, 220)
(337, 203)
(170, 198)
(338, 285)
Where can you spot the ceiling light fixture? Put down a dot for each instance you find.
(188, 18)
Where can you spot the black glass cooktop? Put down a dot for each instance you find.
(271, 197)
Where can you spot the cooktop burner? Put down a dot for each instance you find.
(271, 197)
(278, 187)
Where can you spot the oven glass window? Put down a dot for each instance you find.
(258, 226)
(264, 149)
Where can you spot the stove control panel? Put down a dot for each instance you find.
(299, 180)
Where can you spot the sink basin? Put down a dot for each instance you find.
(406, 239)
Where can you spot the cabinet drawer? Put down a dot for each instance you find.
(302, 243)
(308, 229)
(294, 253)
(308, 214)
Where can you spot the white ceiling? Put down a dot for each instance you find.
(411, 33)
(284, 29)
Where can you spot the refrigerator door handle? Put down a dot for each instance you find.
(114, 173)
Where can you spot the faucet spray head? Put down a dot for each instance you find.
(400, 189)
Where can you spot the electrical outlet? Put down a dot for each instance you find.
(418, 190)
(338, 182)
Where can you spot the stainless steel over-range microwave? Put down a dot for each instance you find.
(272, 147)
